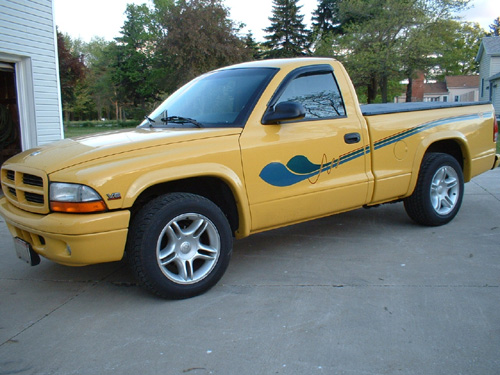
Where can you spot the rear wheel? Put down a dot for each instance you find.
(439, 191)
(179, 245)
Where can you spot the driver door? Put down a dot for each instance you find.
(308, 168)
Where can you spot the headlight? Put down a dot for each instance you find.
(75, 198)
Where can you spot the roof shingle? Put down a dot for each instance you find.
(462, 81)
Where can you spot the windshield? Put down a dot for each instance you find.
(222, 98)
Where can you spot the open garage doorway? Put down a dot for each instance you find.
(10, 134)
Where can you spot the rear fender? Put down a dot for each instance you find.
(427, 143)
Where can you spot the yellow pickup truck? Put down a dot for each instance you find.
(239, 150)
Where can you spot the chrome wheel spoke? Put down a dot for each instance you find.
(166, 258)
(447, 202)
(188, 248)
(444, 190)
(206, 253)
(174, 231)
(451, 183)
(196, 228)
(185, 268)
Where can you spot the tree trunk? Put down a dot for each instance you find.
(371, 90)
(384, 88)
(409, 90)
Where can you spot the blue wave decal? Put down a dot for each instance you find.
(301, 165)
(300, 168)
(277, 174)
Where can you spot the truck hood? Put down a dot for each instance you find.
(73, 151)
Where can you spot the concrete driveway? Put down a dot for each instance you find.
(365, 292)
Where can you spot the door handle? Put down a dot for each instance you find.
(351, 138)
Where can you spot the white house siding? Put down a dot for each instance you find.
(495, 85)
(464, 95)
(28, 39)
(494, 65)
(496, 96)
(484, 74)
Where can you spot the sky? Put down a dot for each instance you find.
(104, 18)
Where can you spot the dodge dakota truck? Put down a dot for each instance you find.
(236, 151)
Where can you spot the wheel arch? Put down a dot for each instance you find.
(451, 143)
(225, 191)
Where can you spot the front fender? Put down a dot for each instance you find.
(176, 173)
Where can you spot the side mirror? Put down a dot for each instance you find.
(284, 111)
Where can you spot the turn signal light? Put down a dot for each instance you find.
(78, 207)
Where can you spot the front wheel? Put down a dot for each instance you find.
(179, 245)
(439, 191)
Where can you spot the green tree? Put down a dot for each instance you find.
(71, 72)
(458, 48)
(495, 27)
(100, 57)
(325, 25)
(388, 40)
(370, 46)
(199, 37)
(288, 36)
(136, 73)
(253, 47)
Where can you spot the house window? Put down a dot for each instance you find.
(445, 98)
(457, 98)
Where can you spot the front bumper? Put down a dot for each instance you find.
(70, 239)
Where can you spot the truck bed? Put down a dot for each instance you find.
(382, 109)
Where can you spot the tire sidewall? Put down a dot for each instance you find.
(155, 216)
(432, 165)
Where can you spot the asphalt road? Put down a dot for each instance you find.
(365, 292)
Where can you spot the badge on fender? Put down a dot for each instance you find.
(114, 196)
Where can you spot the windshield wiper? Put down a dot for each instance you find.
(150, 121)
(181, 120)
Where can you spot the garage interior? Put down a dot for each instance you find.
(10, 135)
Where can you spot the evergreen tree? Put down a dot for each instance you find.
(135, 71)
(253, 47)
(326, 18)
(288, 36)
(495, 27)
(325, 26)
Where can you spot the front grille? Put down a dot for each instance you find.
(12, 191)
(26, 190)
(34, 198)
(30, 179)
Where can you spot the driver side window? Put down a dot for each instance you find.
(318, 93)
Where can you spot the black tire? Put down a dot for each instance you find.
(439, 191)
(179, 245)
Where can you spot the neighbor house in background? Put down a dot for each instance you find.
(30, 103)
(453, 89)
(488, 58)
